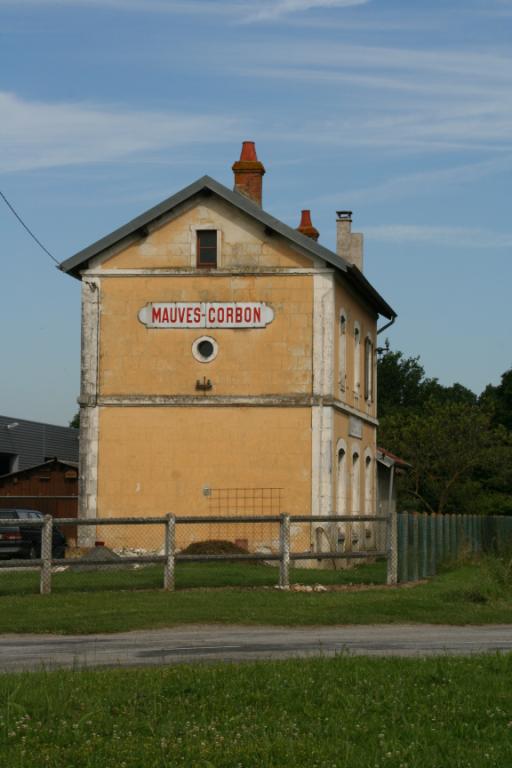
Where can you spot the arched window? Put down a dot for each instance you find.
(368, 485)
(342, 351)
(341, 479)
(356, 484)
(368, 369)
(368, 526)
(357, 359)
(357, 531)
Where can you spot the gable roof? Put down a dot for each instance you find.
(47, 464)
(206, 185)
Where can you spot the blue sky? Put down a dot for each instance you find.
(399, 111)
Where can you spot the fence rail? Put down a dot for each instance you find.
(285, 555)
(414, 544)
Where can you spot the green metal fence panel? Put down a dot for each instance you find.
(440, 539)
(453, 537)
(446, 537)
(425, 540)
(432, 570)
(423, 545)
(414, 566)
(403, 546)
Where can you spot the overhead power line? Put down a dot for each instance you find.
(27, 228)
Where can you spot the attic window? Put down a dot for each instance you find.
(207, 248)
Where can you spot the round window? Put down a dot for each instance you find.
(205, 349)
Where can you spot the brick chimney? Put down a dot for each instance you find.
(349, 245)
(306, 227)
(249, 173)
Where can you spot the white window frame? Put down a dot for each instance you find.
(369, 372)
(357, 359)
(194, 229)
(342, 351)
(355, 481)
(341, 478)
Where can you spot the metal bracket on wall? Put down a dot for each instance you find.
(204, 385)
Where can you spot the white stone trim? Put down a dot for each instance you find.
(348, 409)
(315, 460)
(194, 229)
(355, 479)
(368, 502)
(187, 272)
(179, 401)
(342, 351)
(88, 473)
(89, 411)
(322, 421)
(370, 507)
(369, 400)
(341, 508)
(357, 361)
(280, 401)
(323, 330)
(89, 341)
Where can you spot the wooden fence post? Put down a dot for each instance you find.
(284, 564)
(45, 581)
(170, 553)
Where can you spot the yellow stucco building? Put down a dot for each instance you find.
(228, 363)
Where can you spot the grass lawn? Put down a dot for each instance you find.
(188, 576)
(317, 713)
(473, 594)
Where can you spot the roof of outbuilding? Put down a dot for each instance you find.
(207, 185)
(64, 462)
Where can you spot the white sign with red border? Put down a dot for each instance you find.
(189, 314)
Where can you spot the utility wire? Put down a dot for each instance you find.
(27, 228)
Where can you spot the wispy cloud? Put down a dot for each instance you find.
(397, 97)
(421, 182)
(275, 9)
(241, 10)
(454, 237)
(38, 134)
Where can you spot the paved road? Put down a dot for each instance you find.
(240, 643)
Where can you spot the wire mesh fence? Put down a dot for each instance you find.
(270, 550)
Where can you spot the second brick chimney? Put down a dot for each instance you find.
(306, 226)
(249, 173)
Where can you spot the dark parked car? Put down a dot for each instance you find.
(21, 540)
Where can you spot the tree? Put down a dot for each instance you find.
(499, 399)
(459, 446)
(401, 381)
(447, 444)
(402, 384)
(75, 421)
